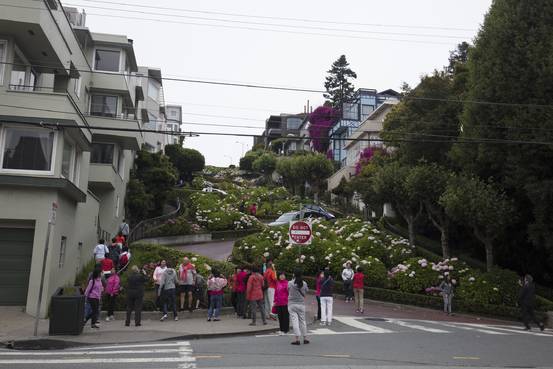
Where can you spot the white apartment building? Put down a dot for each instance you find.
(65, 95)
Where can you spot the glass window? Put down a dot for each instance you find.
(173, 113)
(77, 87)
(366, 110)
(293, 123)
(153, 90)
(103, 105)
(102, 153)
(107, 60)
(26, 149)
(350, 111)
(67, 160)
(63, 247)
(3, 47)
(19, 71)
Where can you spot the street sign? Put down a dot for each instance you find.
(300, 233)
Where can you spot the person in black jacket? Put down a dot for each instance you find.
(526, 300)
(135, 295)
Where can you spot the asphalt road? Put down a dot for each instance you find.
(351, 342)
(219, 250)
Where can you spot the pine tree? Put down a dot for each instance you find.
(338, 85)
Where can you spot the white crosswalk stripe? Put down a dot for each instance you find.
(353, 322)
(417, 326)
(179, 353)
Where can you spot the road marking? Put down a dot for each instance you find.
(84, 353)
(509, 330)
(153, 344)
(352, 322)
(486, 331)
(101, 360)
(337, 355)
(209, 357)
(328, 332)
(416, 326)
(466, 358)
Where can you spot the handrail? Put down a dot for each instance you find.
(140, 229)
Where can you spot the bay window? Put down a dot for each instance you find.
(103, 105)
(102, 153)
(23, 77)
(27, 149)
(107, 60)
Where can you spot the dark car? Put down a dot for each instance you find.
(317, 212)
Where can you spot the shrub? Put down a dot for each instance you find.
(173, 227)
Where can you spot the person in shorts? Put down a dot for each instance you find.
(187, 283)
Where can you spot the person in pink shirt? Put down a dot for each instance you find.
(318, 280)
(93, 295)
(281, 303)
(240, 289)
(113, 286)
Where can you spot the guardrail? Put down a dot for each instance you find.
(142, 228)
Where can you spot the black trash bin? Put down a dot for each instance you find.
(67, 313)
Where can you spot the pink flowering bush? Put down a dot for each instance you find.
(321, 120)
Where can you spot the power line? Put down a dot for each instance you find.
(326, 21)
(272, 24)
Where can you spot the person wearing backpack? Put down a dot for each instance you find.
(93, 293)
(113, 286)
(297, 289)
(254, 295)
(166, 292)
(327, 299)
(269, 286)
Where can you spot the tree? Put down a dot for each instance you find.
(344, 191)
(428, 182)
(511, 65)
(246, 162)
(187, 161)
(317, 168)
(291, 170)
(265, 164)
(390, 183)
(138, 202)
(339, 88)
(480, 205)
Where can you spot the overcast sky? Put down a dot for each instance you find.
(298, 55)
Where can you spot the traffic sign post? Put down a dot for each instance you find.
(300, 233)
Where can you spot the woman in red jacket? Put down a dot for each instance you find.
(281, 303)
(254, 294)
(358, 289)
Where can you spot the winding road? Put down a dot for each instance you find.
(217, 250)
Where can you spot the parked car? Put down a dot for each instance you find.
(316, 208)
(307, 213)
(216, 190)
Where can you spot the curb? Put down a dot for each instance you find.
(58, 344)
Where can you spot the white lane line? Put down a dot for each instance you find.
(328, 332)
(509, 330)
(486, 331)
(151, 345)
(416, 326)
(90, 353)
(352, 322)
(101, 360)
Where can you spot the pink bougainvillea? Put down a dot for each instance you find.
(365, 157)
(321, 120)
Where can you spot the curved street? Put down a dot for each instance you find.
(217, 250)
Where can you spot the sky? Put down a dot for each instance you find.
(386, 43)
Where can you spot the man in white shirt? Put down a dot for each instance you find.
(347, 277)
(125, 229)
(100, 251)
(158, 275)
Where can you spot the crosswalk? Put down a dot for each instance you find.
(346, 325)
(175, 355)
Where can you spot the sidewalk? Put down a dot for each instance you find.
(17, 326)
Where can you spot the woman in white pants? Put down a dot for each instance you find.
(326, 298)
(297, 289)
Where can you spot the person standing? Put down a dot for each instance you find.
(347, 277)
(359, 289)
(526, 302)
(114, 252)
(93, 293)
(327, 300)
(446, 290)
(158, 274)
(232, 287)
(199, 289)
(100, 251)
(241, 292)
(281, 303)
(124, 229)
(187, 281)
(167, 291)
(297, 289)
(107, 266)
(254, 295)
(215, 285)
(135, 295)
(318, 280)
(270, 281)
(113, 286)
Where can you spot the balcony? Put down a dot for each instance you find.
(116, 130)
(108, 83)
(102, 177)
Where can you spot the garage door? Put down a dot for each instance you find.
(16, 248)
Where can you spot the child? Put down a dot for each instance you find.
(281, 304)
(358, 289)
(93, 295)
(112, 290)
(215, 285)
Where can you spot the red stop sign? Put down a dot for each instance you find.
(300, 232)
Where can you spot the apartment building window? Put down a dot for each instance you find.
(27, 149)
(68, 160)
(293, 123)
(3, 52)
(107, 60)
(102, 153)
(350, 111)
(103, 105)
(153, 90)
(63, 247)
(77, 87)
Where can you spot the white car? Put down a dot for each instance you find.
(211, 190)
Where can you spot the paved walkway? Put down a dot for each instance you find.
(217, 250)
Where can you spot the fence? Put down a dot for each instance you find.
(141, 229)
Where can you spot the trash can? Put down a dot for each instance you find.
(66, 312)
